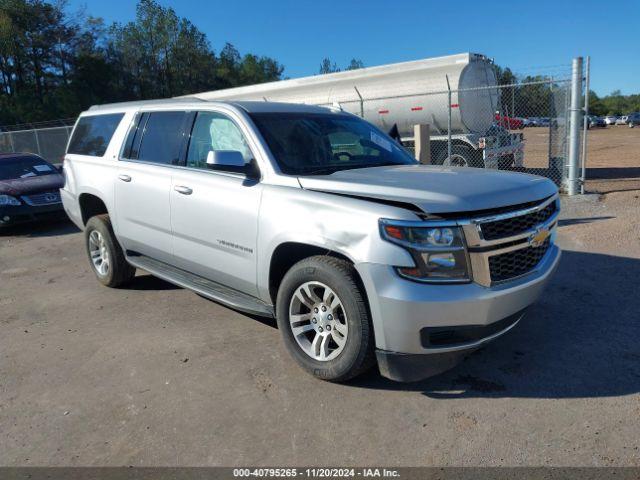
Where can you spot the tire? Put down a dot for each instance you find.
(353, 354)
(467, 154)
(105, 255)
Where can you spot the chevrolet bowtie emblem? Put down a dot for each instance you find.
(538, 237)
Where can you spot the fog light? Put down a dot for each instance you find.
(441, 260)
(6, 218)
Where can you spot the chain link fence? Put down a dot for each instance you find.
(50, 142)
(522, 126)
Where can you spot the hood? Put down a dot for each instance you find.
(436, 189)
(38, 183)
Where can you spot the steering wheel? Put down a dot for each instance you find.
(337, 155)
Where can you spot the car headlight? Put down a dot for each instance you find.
(9, 200)
(438, 250)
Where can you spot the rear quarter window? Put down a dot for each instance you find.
(93, 134)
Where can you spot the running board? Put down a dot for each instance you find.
(211, 290)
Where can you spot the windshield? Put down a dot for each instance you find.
(321, 144)
(24, 167)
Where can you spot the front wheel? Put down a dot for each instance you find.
(323, 318)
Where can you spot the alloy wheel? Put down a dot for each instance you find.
(318, 321)
(99, 253)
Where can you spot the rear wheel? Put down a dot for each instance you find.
(323, 319)
(461, 156)
(107, 259)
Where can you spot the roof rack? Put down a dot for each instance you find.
(147, 102)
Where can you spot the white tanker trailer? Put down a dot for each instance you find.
(410, 93)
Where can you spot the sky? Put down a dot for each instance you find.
(538, 37)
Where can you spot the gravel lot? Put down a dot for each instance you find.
(155, 375)
(613, 162)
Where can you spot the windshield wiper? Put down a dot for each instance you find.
(319, 171)
(338, 168)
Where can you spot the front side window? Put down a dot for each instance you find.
(212, 132)
(162, 138)
(93, 134)
(321, 144)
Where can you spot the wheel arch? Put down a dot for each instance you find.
(91, 205)
(287, 254)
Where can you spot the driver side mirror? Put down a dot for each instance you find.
(225, 158)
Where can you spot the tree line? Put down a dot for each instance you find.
(533, 96)
(327, 66)
(613, 104)
(54, 64)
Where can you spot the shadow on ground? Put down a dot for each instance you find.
(149, 282)
(48, 228)
(582, 339)
(579, 221)
(605, 173)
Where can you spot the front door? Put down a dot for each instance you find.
(214, 214)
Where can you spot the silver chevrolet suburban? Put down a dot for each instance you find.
(317, 218)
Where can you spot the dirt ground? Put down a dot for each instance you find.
(154, 375)
(613, 156)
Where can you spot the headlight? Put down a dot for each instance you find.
(438, 251)
(9, 200)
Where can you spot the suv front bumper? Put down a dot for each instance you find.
(407, 314)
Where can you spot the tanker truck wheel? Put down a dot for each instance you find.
(461, 156)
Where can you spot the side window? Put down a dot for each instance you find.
(162, 137)
(132, 143)
(93, 134)
(211, 132)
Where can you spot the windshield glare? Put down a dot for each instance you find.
(24, 167)
(320, 144)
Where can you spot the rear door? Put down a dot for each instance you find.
(154, 146)
(214, 214)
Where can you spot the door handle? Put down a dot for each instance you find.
(183, 190)
(124, 178)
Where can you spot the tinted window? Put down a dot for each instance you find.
(24, 167)
(320, 144)
(93, 134)
(135, 135)
(211, 132)
(162, 138)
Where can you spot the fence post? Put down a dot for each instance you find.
(583, 174)
(13, 147)
(574, 126)
(449, 120)
(513, 103)
(422, 143)
(35, 134)
(361, 101)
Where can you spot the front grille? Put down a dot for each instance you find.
(45, 198)
(518, 262)
(516, 225)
